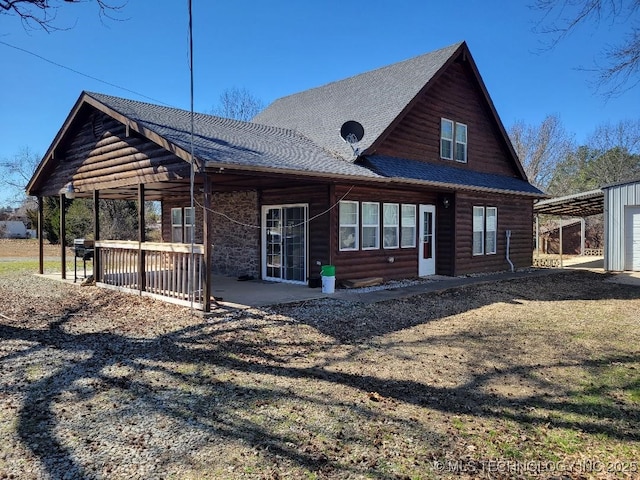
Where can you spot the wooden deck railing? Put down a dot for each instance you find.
(163, 270)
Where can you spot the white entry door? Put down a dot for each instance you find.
(284, 243)
(632, 239)
(426, 241)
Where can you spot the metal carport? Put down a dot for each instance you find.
(580, 205)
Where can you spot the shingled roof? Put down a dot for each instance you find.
(225, 142)
(300, 134)
(375, 99)
(446, 176)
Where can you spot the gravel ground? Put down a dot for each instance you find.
(97, 384)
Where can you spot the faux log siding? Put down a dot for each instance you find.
(453, 96)
(317, 197)
(369, 263)
(111, 159)
(514, 213)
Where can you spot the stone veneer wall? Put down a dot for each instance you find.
(236, 248)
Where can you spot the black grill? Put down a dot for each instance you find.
(82, 249)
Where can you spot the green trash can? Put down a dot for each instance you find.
(328, 273)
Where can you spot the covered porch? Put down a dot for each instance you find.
(114, 149)
(176, 272)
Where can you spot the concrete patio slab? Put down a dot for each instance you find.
(232, 293)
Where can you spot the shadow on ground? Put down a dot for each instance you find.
(258, 378)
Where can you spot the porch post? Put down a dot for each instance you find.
(63, 237)
(40, 238)
(96, 236)
(142, 277)
(207, 240)
(560, 249)
(582, 235)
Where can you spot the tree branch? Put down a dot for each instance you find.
(41, 14)
(618, 68)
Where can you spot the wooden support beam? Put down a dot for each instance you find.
(96, 235)
(560, 249)
(63, 237)
(207, 229)
(142, 277)
(40, 235)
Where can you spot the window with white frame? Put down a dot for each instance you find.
(182, 224)
(370, 225)
(461, 143)
(485, 230)
(348, 236)
(176, 225)
(453, 140)
(446, 139)
(408, 222)
(189, 223)
(478, 230)
(390, 225)
(491, 226)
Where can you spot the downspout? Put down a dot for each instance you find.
(508, 232)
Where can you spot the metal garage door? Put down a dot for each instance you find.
(632, 238)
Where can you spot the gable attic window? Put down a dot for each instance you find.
(453, 140)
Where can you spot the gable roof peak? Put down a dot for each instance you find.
(374, 99)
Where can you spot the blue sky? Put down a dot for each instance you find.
(277, 48)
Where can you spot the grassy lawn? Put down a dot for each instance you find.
(533, 378)
(28, 266)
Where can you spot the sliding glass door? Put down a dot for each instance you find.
(284, 243)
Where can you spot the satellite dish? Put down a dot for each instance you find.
(351, 131)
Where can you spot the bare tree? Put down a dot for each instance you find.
(239, 104)
(16, 172)
(42, 13)
(540, 148)
(618, 68)
(617, 148)
(611, 154)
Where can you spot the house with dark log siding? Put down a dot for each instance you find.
(401, 172)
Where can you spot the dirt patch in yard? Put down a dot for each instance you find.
(533, 378)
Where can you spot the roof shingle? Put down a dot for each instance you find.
(374, 99)
(231, 142)
(446, 176)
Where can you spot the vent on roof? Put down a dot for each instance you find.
(352, 132)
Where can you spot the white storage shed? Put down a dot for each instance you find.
(622, 226)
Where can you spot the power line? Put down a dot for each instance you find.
(304, 222)
(83, 74)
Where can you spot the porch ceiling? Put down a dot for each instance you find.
(152, 191)
(221, 182)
